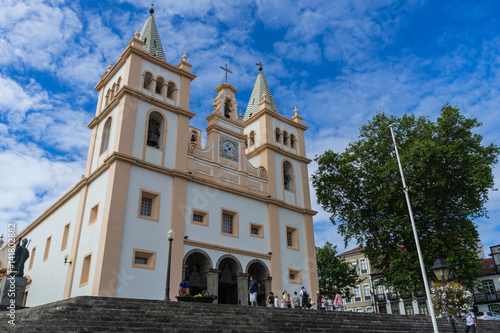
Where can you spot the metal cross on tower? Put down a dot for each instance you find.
(260, 65)
(227, 71)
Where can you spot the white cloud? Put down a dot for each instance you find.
(14, 101)
(38, 33)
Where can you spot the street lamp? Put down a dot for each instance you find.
(442, 272)
(170, 236)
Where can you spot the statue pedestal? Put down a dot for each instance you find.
(12, 291)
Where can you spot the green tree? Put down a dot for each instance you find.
(448, 174)
(334, 273)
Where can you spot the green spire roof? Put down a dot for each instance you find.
(151, 38)
(258, 89)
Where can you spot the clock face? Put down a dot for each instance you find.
(228, 148)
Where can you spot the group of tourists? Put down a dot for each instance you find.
(303, 300)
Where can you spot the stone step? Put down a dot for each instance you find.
(97, 314)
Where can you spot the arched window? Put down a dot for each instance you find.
(171, 91)
(112, 95)
(292, 141)
(105, 135)
(285, 138)
(118, 83)
(278, 135)
(159, 85)
(148, 78)
(252, 138)
(287, 176)
(107, 99)
(155, 127)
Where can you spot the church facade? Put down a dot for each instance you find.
(239, 205)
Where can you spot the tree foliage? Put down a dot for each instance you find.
(448, 173)
(334, 273)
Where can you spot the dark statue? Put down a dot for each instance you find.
(21, 255)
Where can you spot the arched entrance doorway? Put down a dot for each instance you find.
(196, 265)
(229, 267)
(260, 272)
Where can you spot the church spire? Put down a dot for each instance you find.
(151, 38)
(259, 89)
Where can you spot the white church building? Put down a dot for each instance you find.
(239, 205)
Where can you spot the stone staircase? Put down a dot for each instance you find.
(100, 314)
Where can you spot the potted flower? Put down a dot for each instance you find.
(204, 297)
(184, 295)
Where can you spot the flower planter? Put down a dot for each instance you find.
(184, 298)
(203, 299)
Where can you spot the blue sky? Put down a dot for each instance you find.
(338, 61)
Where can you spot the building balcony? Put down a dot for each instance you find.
(392, 296)
(379, 297)
(486, 297)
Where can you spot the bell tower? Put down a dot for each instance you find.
(225, 127)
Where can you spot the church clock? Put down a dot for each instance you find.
(228, 149)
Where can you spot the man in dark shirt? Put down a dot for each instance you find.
(252, 290)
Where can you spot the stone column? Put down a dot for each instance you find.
(267, 285)
(243, 296)
(213, 282)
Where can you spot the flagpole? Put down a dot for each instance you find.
(415, 234)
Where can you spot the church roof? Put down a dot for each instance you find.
(151, 38)
(258, 89)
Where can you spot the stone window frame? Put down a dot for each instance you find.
(46, 252)
(106, 134)
(297, 273)
(259, 227)
(294, 237)
(149, 255)
(359, 297)
(94, 212)
(365, 294)
(32, 258)
(64, 243)
(203, 213)
(365, 262)
(85, 274)
(235, 215)
(155, 205)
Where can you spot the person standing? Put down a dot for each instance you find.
(330, 304)
(286, 299)
(295, 300)
(337, 303)
(270, 300)
(319, 300)
(276, 300)
(252, 290)
(305, 297)
(470, 322)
